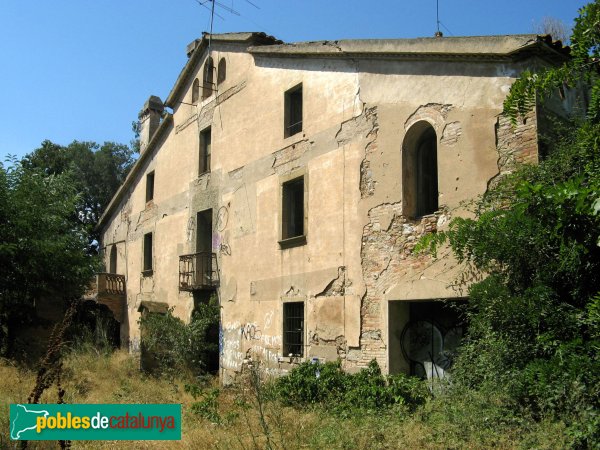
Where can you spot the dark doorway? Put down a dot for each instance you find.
(431, 337)
(204, 231)
(203, 258)
(113, 260)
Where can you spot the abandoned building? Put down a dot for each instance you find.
(293, 181)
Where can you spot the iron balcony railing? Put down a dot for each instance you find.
(198, 271)
(110, 283)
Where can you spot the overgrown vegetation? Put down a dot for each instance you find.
(230, 418)
(170, 346)
(328, 386)
(95, 171)
(526, 376)
(42, 251)
(50, 202)
(533, 335)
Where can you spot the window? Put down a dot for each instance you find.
(293, 111)
(419, 171)
(205, 143)
(112, 267)
(150, 186)
(195, 91)
(147, 268)
(293, 329)
(292, 210)
(222, 71)
(207, 78)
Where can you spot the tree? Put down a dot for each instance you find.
(581, 69)
(96, 171)
(554, 27)
(534, 333)
(42, 249)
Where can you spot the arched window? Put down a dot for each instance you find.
(207, 78)
(112, 267)
(195, 91)
(419, 171)
(222, 71)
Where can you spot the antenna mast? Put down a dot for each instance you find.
(212, 19)
(438, 33)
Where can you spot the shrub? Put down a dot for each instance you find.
(170, 346)
(367, 390)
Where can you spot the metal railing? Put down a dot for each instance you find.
(198, 271)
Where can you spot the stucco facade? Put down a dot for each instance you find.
(348, 168)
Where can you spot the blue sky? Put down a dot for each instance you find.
(82, 69)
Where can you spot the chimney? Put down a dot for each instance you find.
(149, 120)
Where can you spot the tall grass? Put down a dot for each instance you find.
(247, 417)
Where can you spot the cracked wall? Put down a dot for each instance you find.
(358, 253)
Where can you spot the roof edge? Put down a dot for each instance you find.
(486, 47)
(196, 49)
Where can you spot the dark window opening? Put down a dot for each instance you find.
(419, 171)
(205, 144)
(222, 71)
(292, 209)
(195, 91)
(293, 329)
(148, 252)
(149, 186)
(293, 111)
(112, 267)
(431, 338)
(207, 78)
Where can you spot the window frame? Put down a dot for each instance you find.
(208, 78)
(293, 97)
(420, 164)
(286, 210)
(286, 332)
(204, 157)
(221, 71)
(148, 254)
(150, 179)
(195, 91)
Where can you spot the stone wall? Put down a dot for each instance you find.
(387, 257)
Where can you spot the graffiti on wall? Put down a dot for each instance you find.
(239, 338)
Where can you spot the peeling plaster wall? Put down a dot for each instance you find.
(462, 103)
(358, 253)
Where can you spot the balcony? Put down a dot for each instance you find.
(111, 284)
(198, 271)
(108, 289)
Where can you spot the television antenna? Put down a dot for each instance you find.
(438, 32)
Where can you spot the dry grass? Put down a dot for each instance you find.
(94, 378)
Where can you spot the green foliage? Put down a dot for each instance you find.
(96, 172)
(208, 405)
(42, 251)
(581, 68)
(533, 336)
(533, 333)
(173, 345)
(367, 390)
